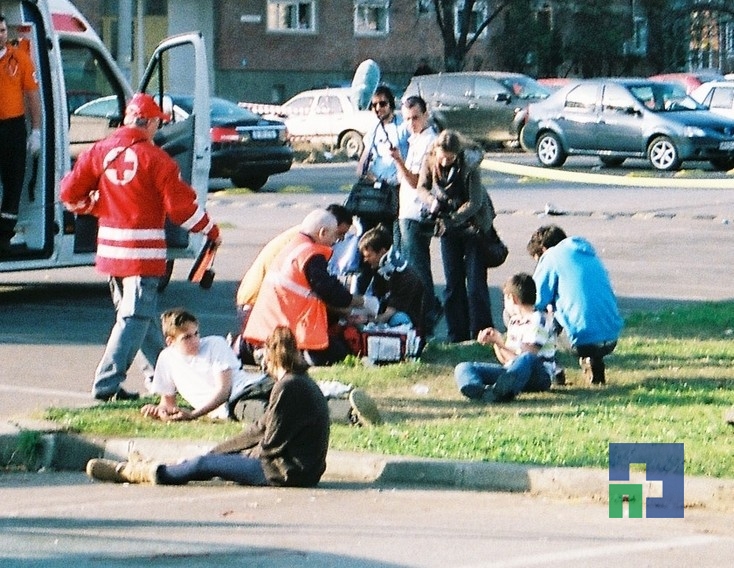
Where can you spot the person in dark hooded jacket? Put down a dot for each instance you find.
(398, 286)
(450, 185)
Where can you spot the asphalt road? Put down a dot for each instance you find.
(61, 520)
(662, 247)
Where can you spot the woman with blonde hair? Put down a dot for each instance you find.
(286, 447)
(450, 185)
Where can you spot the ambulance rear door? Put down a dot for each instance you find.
(179, 67)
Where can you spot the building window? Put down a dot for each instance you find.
(729, 38)
(371, 17)
(292, 15)
(476, 18)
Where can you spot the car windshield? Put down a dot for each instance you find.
(103, 106)
(525, 88)
(663, 97)
(222, 110)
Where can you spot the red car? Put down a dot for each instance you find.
(689, 80)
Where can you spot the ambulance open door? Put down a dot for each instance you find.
(179, 66)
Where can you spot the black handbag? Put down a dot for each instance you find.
(373, 201)
(494, 252)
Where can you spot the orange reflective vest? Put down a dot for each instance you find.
(286, 298)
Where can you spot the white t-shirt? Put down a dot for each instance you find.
(193, 377)
(410, 204)
(378, 141)
(532, 329)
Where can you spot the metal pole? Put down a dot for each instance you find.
(124, 37)
(140, 54)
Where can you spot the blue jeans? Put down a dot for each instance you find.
(398, 319)
(415, 246)
(466, 303)
(229, 467)
(136, 329)
(525, 373)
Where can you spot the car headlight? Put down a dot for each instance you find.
(694, 132)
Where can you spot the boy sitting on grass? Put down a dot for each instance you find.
(203, 370)
(526, 357)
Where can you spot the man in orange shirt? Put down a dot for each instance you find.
(18, 93)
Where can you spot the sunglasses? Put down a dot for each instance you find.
(378, 104)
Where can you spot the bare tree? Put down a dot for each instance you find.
(456, 46)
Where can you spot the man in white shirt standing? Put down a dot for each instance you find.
(415, 230)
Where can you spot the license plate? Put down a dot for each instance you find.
(728, 145)
(264, 134)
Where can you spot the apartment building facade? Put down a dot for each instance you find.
(268, 50)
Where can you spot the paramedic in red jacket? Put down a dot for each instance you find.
(131, 185)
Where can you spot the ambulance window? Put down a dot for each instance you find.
(87, 76)
(94, 97)
(161, 80)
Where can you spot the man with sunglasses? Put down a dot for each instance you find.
(377, 164)
(18, 93)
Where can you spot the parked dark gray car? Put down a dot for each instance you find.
(617, 119)
(484, 105)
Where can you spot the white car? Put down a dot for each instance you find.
(329, 116)
(717, 96)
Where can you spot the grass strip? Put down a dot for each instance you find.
(669, 380)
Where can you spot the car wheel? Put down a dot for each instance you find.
(549, 150)
(663, 154)
(722, 164)
(249, 181)
(611, 161)
(352, 144)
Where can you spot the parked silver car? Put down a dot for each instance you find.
(717, 96)
(484, 105)
(617, 119)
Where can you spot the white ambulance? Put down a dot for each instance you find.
(83, 95)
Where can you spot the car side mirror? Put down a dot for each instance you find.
(502, 97)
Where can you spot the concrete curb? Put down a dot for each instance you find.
(61, 450)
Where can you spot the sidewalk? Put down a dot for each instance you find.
(62, 451)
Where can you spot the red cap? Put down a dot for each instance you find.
(143, 106)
